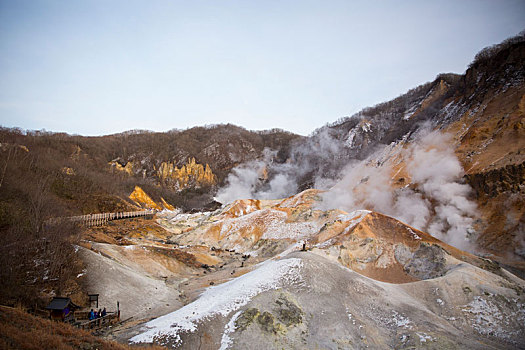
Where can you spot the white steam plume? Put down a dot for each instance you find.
(437, 171)
(247, 181)
(436, 202)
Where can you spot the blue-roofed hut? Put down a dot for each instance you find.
(62, 309)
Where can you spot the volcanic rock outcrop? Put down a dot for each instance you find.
(334, 295)
(191, 174)
(142, 199)
(286, 274)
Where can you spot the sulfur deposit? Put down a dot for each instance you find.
(142, 199)
(190, 174)
(128, 168)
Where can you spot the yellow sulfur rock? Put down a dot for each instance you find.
(128, 168)
(190, 174)
(166, 205)
(141, 198)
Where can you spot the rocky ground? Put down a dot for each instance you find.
(312, 302)
(238, 278)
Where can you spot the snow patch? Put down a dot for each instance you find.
(226, 341)
(350, 316)
(487, 318)
(356, 216)
(325, 244)
(350, 138)
(253, 253)
(222, 299)
(294, 230)
(353, 218)
(410, 112)
(400, 320)
(274, 223)
(423, 337)
(366, 127)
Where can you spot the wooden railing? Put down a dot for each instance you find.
(98, 323)
(103, 218)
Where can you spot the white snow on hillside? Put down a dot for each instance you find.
(350, 138)
(223, 299)
(355, 216)
(280, 229)
(275, 225)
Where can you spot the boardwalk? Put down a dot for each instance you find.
(99, 323)
(103, 218)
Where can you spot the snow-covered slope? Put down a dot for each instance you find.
(222, 300)
(306, 301)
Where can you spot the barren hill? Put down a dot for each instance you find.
(238, 278)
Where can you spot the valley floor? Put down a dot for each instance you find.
(277, 296)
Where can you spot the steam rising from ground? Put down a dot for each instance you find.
(248, 181)
(436, 201)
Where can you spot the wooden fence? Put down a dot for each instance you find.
(103, 218)
(99, 323)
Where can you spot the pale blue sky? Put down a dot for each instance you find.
(100, 67)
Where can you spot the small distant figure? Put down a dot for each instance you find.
(104, 312)
(304, 247)
(91, 315)
(99, 313)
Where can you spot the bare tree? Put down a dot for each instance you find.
(38, 200)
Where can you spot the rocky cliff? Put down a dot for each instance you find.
(189, 175)
(168, 158)
(143, 200)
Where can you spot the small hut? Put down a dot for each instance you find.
(62, 309)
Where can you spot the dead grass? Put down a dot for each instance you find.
(20, 330)
(118, 231)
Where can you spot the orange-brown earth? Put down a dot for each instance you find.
(489, 142)
(446, 281)
(175, 257)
